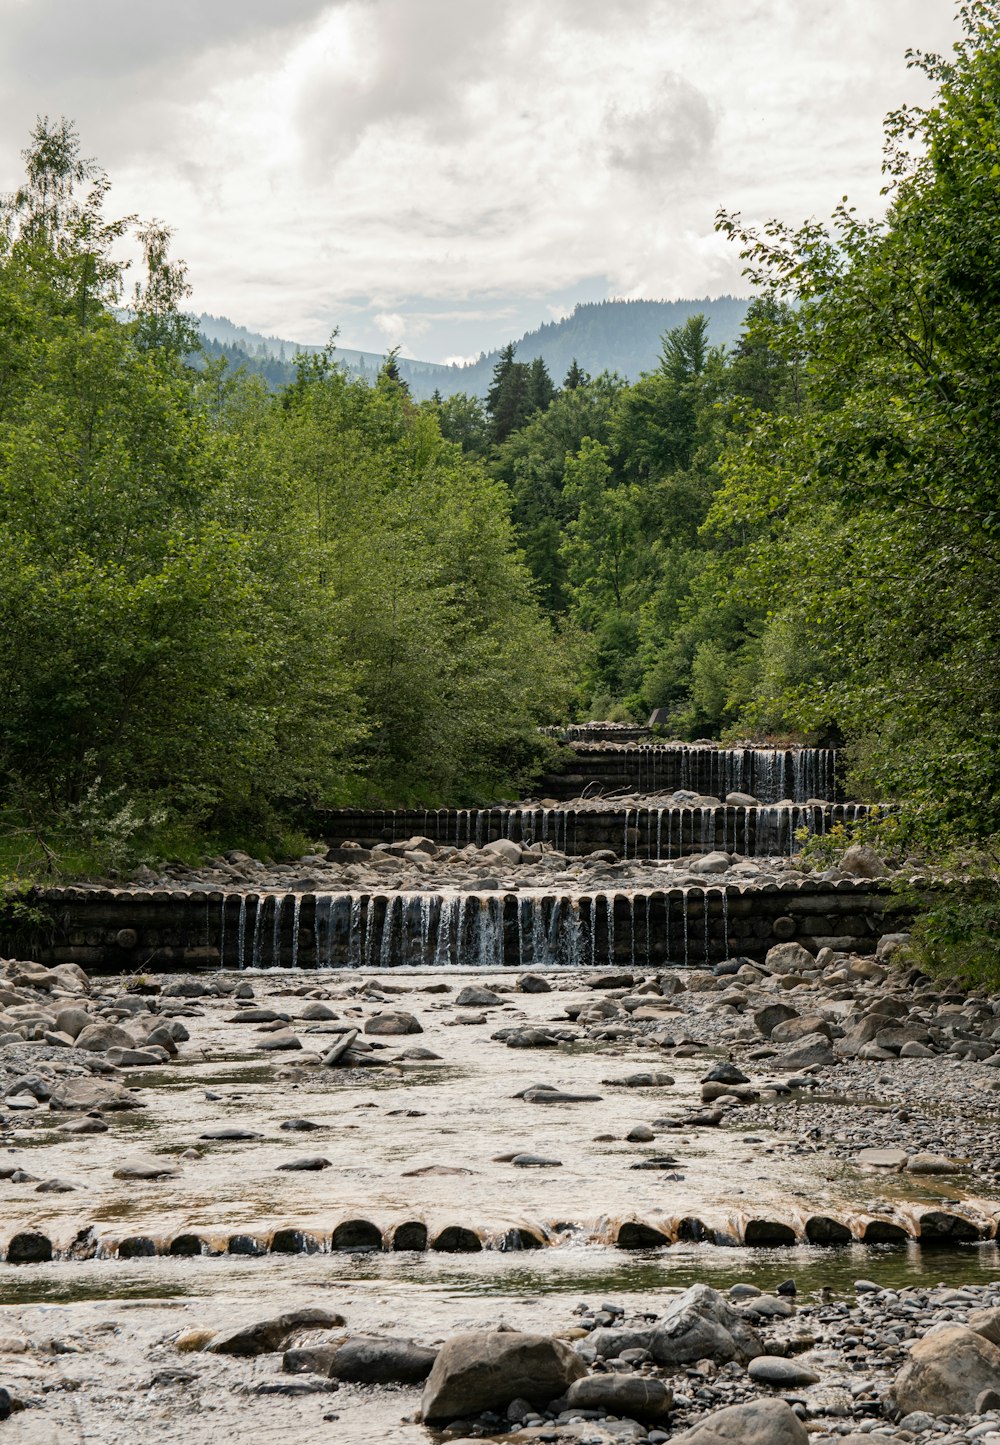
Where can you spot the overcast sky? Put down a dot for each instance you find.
(444, 174)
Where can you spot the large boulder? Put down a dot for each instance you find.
(381, 1360)
(861, 861)
(758, 1422)
(96, 1038)
(700, 1325)
(788, 958)
(265, 1337)
(622, 1395)
(947, 1371)
(487, 1369)
(393, 1021)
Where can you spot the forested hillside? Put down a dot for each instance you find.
(614, 336)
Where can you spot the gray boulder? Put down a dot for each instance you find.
(788, 958)
(487, 1369)
(622, 1395)
(266, 1336)
(758, 1422)
(393, 1021)
(701, 1325)
(861, 861)
(947, 1371)
(378, 1360)
(96, 1038)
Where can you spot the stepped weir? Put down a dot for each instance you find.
(636, 909)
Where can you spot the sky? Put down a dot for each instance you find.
(444, 174)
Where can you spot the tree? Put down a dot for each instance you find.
(868, 515)
(508, 400)
(576, 376)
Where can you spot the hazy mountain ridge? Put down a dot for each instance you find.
(622, 336)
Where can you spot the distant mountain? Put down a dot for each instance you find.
(622, 336)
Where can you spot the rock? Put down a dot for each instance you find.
(267, 1336)
(622, 1395)
(535, 1161)
(882, 1158)
(277, 1043)
(378, 1360)
(986, 1323)
(311, 1164)
(792, 1030)
(651, 1080)
(88, 1094)
(487, 1369)
(889, 944)
(55, 1186)
(725, 1074)
(72, 1021)
(474, 997)
(711, 863)
(946, 1371)
(788, 958)
(861, 861)
(768, 1018)
(142, 1169)
(781, 1373)
(230, 1134)
(700, 1325)
(135, 1058)
(640, 1134)
(317, 1013)
(392, 1021)
(96, 1038)
(340, 1048)
(533, 983)
(758, 1422)
(505, 849)
(913, 1050)
(933, 1164)
(807, 1053)
(547, 1094)
(298, 1126)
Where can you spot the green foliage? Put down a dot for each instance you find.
(958, 935)
(215, 603)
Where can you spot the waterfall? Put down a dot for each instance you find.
(685, 907)
(276, 932)
(242, 931)
(648, 933)
(296, 914)
(625, 844)
(725, 922)
(708, 945)
(257, 916)
(609, 904)
(659, 833)
(222, 934)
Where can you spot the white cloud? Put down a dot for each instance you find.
(339, 161)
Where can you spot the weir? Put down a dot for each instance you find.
(653, 832)
(770, 775)
(133, 930)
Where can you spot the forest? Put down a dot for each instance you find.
(219, 599)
